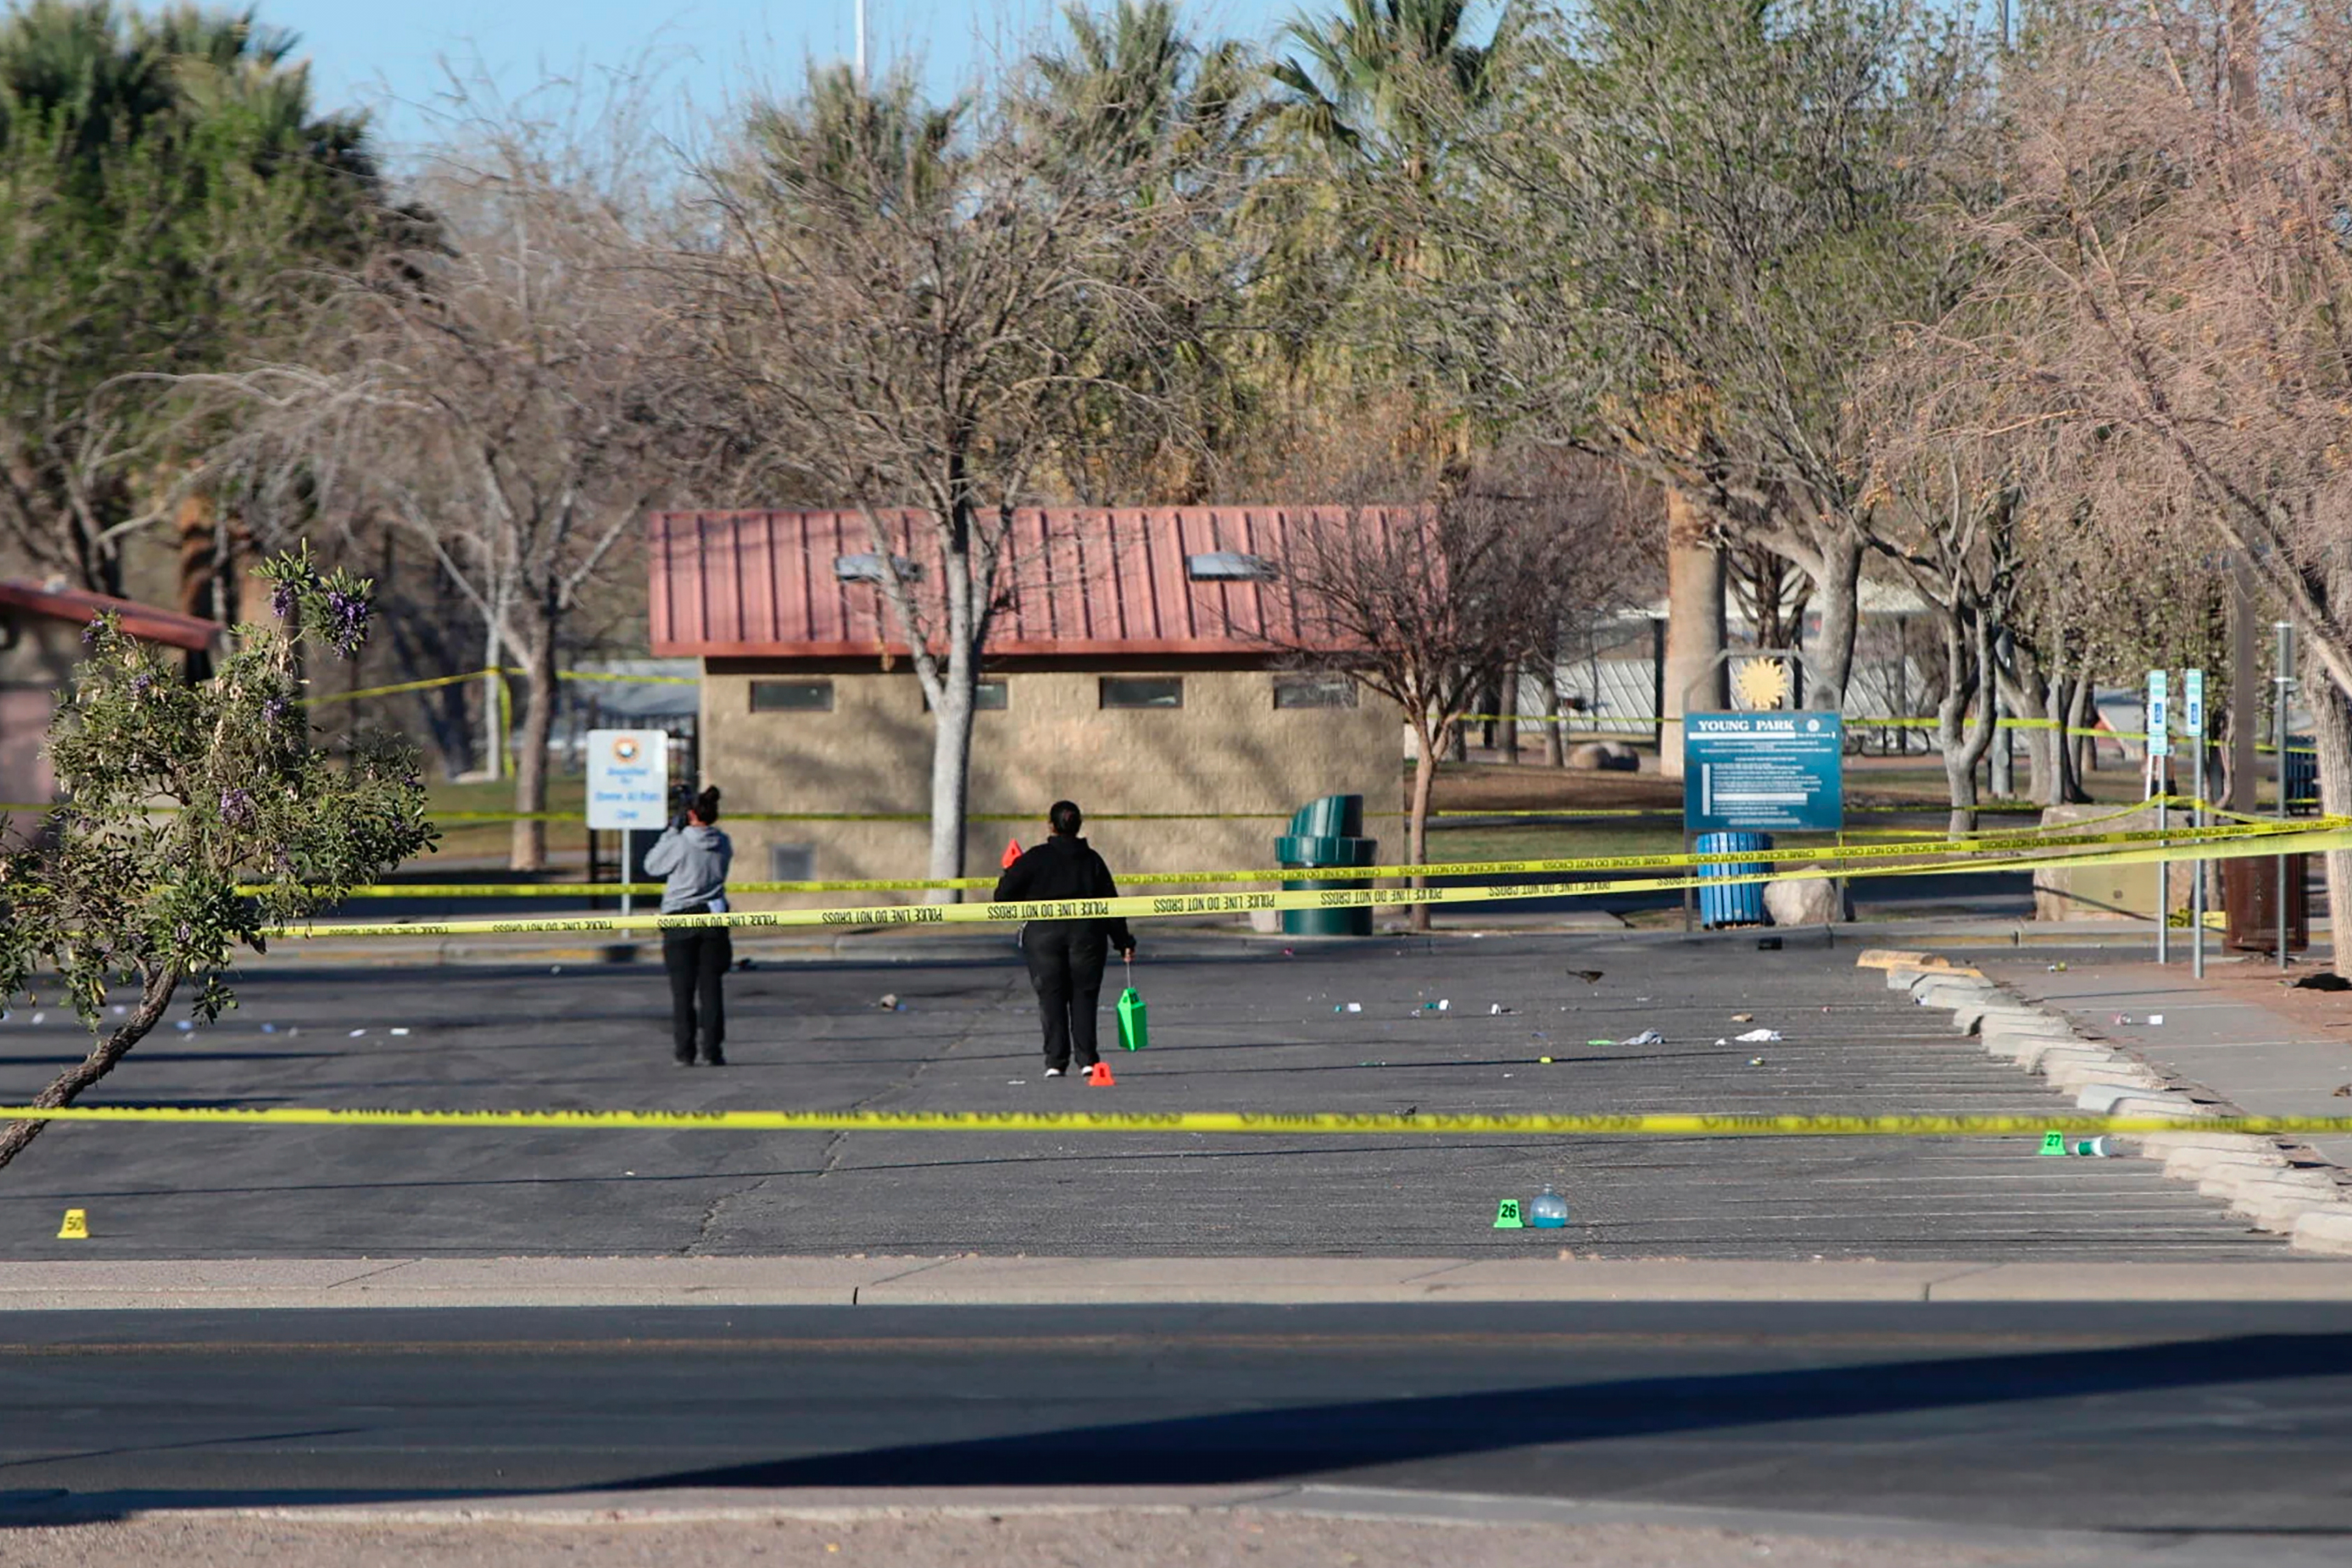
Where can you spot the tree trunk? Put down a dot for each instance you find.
(2079, 715)
(1508, 690)
(494, 730)
(1961, 737)
(1416, 827)
(951, 714)
(1555, 745)
(1694, 625)
(2331, 717)
(2065, 785)
(2001, 776)
(1840, 587)
(529, 846)
(154, 996)
(2245, 686)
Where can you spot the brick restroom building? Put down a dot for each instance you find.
(41, 648)
(1136, 666)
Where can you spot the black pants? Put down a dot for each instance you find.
(1066, 964)
(697, 960)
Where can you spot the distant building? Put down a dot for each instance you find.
(40, 643)
(1137, 670)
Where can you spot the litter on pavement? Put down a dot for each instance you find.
(1647, 1037)
(1760, 1036)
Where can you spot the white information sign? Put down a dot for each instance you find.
(2192, 701)
(2160, 731)
(628, 778)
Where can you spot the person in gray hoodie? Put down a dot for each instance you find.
(694, 855)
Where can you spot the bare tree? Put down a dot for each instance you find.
(2167, 283)
(508, 397)
(1694, 224)
(926, 314)
(1422, 603)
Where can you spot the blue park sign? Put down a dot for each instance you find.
(1760, 772)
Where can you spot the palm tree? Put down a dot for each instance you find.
(1379, 80)
(1134, 84)
(881, 148)
(167, 170)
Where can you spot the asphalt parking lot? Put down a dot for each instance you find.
(1258, 1030)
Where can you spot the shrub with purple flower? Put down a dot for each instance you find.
(269, 827)
(347, 621)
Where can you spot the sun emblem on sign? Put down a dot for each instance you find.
(1761, 683)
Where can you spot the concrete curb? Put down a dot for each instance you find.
(2273, 1186)
(311, 1284)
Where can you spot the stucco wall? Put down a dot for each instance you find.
(1228, 749)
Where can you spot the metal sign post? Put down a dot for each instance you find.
(628, 787)
(2159, 753)
(2282, 682)
(2192, 701)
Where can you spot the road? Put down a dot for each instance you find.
(1269, 1031)
(2231, 1423)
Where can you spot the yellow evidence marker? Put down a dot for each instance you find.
(76, 1228)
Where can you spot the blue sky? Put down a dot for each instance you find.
(385, 54)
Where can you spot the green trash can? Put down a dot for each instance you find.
(1327, 834)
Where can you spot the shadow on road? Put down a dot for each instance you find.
(1291, 1443)
(1298, 1442)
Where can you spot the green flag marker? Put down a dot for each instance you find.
(1507, 1216)
(2054, 1142)
(1132, 1031)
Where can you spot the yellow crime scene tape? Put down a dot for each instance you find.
(434, 682)
(1280, 1123)
(1148, 906)
(2242, 842)
(2038, 837)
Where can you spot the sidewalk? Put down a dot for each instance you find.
(2225, 1034)
(299, 1283)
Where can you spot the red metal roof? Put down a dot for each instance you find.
(1089, 581)
(145, 622)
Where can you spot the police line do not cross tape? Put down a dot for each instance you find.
(1269, 1124)
(1174, 906)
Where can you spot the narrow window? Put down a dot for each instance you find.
(1228, 566)
(989, 698)
(1314, 691)
(868, 568)
(791, 696)
(1124, 691)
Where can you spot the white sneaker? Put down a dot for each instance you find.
(1053, 1072)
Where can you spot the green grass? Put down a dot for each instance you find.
(461, 841)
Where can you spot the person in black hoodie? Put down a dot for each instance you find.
(1066, 956)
